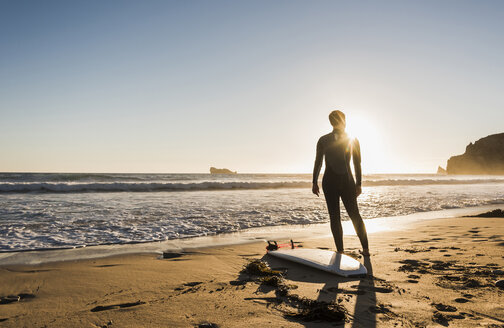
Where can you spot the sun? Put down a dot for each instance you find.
(370, 139)
(361, 128)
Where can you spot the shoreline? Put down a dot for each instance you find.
(420, 275)
(247, 236)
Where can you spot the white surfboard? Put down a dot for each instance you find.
(330, 261)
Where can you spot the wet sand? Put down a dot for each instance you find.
(432, 273)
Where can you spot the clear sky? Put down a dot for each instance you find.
(179, 86)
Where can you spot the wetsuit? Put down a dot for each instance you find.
(338, 148)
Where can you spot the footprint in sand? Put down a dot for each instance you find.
(192, 284)
(451, 278)
(443, 318)
(444, 307)
(115, 306)
(208, 325)
(380, 308)
(461, 300)
(343, 291)
(171, 255)
(9, 299)
(15, 298)
(238, 282)
(375, 289)
(440, 265)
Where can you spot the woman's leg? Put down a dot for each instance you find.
(350, 201)
(333, 206)
(337, 231)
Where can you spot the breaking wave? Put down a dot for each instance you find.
(48, 187)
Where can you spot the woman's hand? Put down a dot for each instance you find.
(315, 189)
(358, 190)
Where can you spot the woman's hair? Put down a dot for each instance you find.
(336, 118)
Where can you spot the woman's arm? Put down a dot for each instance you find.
(316, 168)
(356, 156)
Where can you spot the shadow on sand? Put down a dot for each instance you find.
(364, 314)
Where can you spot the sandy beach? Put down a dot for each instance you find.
(439, 272)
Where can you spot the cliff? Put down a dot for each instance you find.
(485, 156)
(214, 170)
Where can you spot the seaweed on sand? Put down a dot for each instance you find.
(259, 268)
(441, 318)
(312, 310)
(274, 281)
(304, 309)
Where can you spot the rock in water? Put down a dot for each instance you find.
(440, 170)
(214, 170)
(485, 156)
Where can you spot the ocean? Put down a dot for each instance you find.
(40, 211)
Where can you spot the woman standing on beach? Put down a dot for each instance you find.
(338, 180)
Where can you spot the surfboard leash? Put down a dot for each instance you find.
(273, 245)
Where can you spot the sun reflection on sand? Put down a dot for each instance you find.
(372, 226)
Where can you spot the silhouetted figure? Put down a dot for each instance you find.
(338, 181)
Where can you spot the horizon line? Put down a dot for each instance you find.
(238, 173)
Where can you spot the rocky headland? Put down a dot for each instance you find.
(485, 156)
